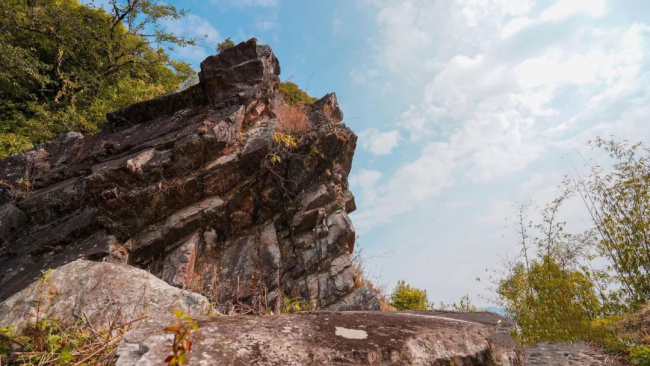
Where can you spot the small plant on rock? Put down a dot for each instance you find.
(296, 305)
(182, 329)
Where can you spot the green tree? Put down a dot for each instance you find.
(546, 290)
(553, 290)
(549, 302)
(63, 65)
(405, 297)
(619, 204)
(226, 44)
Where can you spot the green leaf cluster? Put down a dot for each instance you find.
(406, 297)
(226, 44)
(64, 64)
(293, 95)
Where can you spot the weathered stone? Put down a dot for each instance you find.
(362, 298)
(178, 268)
(12, 219)
(322, 338)
(96, 291)
(49, 203)
(193, 164)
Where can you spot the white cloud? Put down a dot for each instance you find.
(247, 3)
(496, 102)
(366, 181)
(455, 205)
(379, 143)
(565, 8)
(194, 26)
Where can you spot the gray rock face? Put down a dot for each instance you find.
(96, 291)
(183, 186)
(324, 338)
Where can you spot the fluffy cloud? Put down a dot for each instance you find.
(379, 143)
(502, 82)
(247, 3)
(194, 26)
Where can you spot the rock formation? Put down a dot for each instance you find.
(204, 188)
(97, 293)
(329, 338)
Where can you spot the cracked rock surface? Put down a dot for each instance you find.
(324, 338)
(183, 186)
(96, 292)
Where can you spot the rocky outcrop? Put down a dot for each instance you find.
(325, 338)
(96, 293)
(197, 188)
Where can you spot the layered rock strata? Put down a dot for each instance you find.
(198, 188)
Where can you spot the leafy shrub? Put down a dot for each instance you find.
(405, 297)
(293, 95)
(640, 355)
(296, 305)
(226, 44)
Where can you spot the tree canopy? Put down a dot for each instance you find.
(64, 64)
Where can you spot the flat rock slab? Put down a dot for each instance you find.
(567, 354)
(320, 338)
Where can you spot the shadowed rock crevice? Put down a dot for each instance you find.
(184, 186)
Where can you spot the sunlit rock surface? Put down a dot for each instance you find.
(183, 186)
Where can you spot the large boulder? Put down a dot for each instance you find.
(184, 187)
(325, 338)
(96, 292)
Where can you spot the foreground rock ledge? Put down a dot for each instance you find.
(96, 292)
(325, 338)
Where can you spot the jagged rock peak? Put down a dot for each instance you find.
(197, 188)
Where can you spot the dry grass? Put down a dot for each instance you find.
(48, 342)
(293, 119)
(363, 278)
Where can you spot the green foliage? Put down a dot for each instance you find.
(63, 65)
(226, 44)
(49, 342)
(554, 292)
(464, 305)
(640, 355)
(285, 139)
(295, 305)
(549, 302)
(405, 297)
(545, 290)
(619, 202)
(182, 329)
(293, 95)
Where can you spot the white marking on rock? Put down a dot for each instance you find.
(351, 333)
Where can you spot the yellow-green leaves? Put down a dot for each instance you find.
(182, 343)
(405, 297)
(285, 139)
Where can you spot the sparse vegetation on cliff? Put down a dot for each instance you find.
(293, 95)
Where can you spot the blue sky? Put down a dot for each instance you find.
(462, 108)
